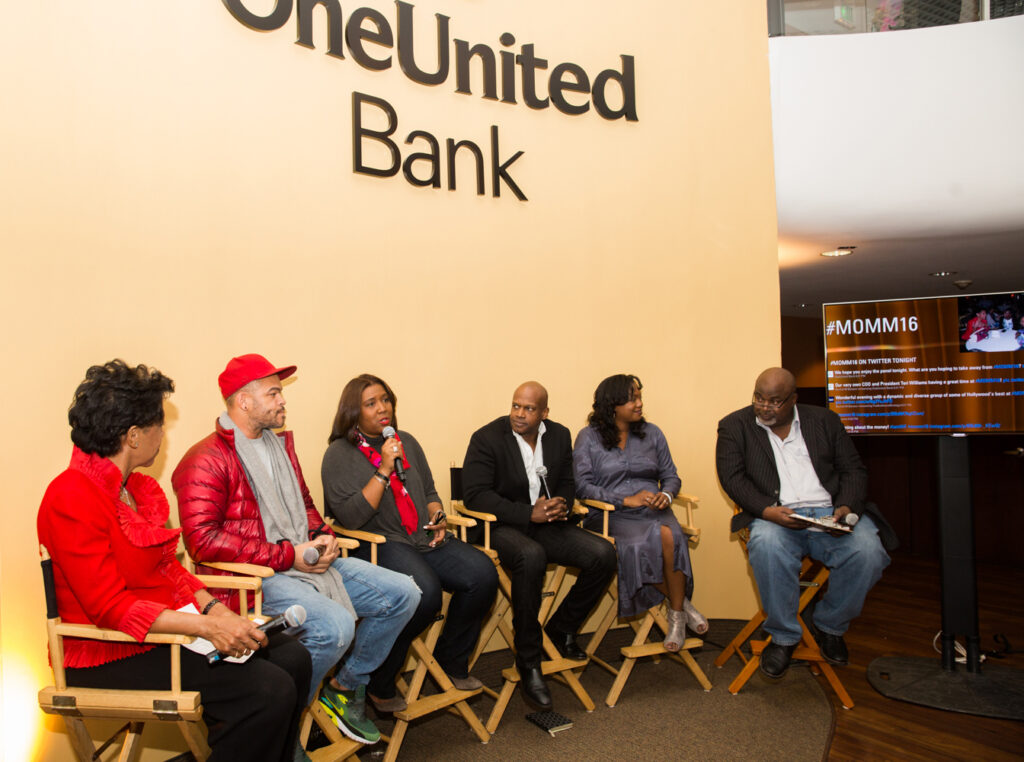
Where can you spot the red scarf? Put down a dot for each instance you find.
(406, 508)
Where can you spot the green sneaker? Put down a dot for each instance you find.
(348, 711)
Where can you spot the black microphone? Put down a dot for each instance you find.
(293, 616)
(388, 432)
(542, 471)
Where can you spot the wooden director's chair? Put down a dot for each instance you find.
(641, 646)
(421, 656)
(250, 577)
(555, 665)
(138, 707)
(813, 576)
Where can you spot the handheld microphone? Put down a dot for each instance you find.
(293, 616)
(851, 519)
(388, 432)
(312, 554)
(542, 472)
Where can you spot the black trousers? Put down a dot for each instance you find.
(454, 566)
(252, 710)
(525, 556)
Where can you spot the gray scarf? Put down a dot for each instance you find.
(282, 508)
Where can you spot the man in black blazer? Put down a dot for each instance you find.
(501, 475)
(777, 459)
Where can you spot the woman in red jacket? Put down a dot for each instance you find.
(114, 566)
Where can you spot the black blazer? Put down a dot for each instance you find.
(494, 477)
(748, 474)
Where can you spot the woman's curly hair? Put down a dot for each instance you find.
(612, 392)
(113, 398)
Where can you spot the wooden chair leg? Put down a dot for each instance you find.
(449, 697)
(599, 634)
(132, 746)
(511, 678)
(640, 648)
(686, 657)
(81, 741)
(837, 685)
(749, 668)
(736, 644)
(195, 738)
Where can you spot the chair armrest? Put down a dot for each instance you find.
(478, 515)
(92, 632)
(607, 508)
(360, 535)
(349, 539)
(347, 543)
(249, 570)
(475, 516)
(688, 503)
(460, 521)
(230, 583)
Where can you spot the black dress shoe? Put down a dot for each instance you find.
(833, 648)
(775, 660)
(535, 690)
(566, 644)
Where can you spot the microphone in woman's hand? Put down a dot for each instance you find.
(388, 432)
(312, 554)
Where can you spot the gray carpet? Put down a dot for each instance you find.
(662, 714)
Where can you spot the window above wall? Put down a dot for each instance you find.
(814, 17)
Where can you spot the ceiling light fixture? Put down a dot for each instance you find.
(943, 273)
(841, 251)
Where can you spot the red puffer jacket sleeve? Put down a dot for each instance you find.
(220, 517)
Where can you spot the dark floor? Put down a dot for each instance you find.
(901, 617)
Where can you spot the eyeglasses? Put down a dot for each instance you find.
(774, 404)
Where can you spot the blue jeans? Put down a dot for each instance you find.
(384, 601)
(855, 564)
(472, 580)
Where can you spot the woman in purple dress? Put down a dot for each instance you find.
(622, 459)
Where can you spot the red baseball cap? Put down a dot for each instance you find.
(245, 368)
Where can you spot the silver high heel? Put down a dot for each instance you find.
(694, 619)
(676, 635)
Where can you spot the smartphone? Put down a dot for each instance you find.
(435, 520)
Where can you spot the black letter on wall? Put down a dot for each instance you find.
(463, 56)
(627, 79)
(358, 99)
(335, 25)
(355, 34)
(433, 159)
(277, 18)
(406, 52)
(473, 148)
(498, 171)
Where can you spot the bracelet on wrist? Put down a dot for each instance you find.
(210, 605)
(382, 478)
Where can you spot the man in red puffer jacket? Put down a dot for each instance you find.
(242, 498)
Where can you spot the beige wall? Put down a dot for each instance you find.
(178, 189)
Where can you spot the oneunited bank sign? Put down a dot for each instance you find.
(504, 73)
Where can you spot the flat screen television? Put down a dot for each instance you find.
(935, 365)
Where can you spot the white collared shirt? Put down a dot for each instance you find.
(532, 457)
(799, 485)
